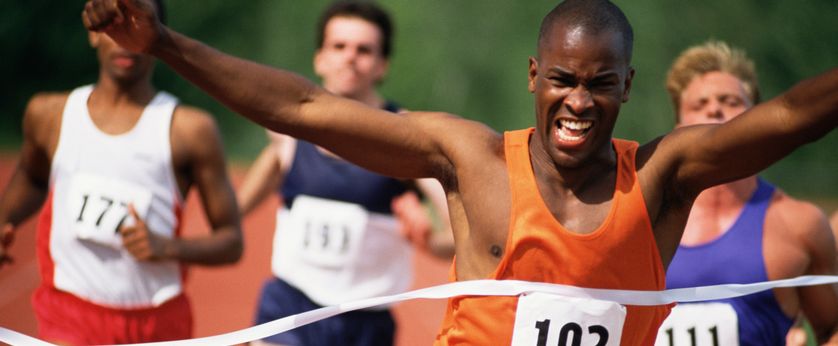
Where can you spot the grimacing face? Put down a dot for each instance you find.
(118, 63)
(712, 98)
(579, 81)
(350, 62)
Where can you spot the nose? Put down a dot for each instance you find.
(579, 100)
(714, 110)
(350, 54)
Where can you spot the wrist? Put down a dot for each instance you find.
(170, 250)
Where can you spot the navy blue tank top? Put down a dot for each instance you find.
(736, 257)
(316, 174)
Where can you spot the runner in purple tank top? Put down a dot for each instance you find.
(745, 231)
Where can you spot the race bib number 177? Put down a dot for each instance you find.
(99, 207)
(550, 320)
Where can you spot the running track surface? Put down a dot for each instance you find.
(223, 298)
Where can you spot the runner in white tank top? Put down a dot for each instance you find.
(109, 277)
(94, 177)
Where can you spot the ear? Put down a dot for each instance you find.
(317, 63)
(382, 70)
(93, 39)
(627, 90)
(533, 74)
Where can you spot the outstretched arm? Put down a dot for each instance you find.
(405, 146)
(709, 155)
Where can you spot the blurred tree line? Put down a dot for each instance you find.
(465, 57)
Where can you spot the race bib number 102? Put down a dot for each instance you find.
(550, 320)
(99, 207)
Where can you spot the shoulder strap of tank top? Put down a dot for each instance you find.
(75, 111)
(516, 152)
(391, 106)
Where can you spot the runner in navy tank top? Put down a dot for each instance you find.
(342, 232)
(318, 174)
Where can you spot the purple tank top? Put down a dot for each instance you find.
(737, 257)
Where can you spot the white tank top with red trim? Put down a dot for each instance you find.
(94, 177)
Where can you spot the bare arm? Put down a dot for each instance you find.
(209, 175)
(199, 157)
(261, 180)
(28, 187)
(709, 155)
(441, 241)
(819, 303)
(279, 100)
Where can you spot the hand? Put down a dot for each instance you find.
(143, 244)
(796, 336)
(416, 226)
(7, 236)
(133, 24)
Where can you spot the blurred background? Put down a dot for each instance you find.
(465, 57)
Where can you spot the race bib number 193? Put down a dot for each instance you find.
(550, 320)
(326, 233)
(99, 207)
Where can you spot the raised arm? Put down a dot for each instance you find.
(709, 155)
(281, 101)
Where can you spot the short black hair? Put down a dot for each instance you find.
(595, 15)
(161, 10)
(366, 10)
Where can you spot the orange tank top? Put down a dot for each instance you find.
(620, 254)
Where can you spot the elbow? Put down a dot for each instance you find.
(236, 249)
(811, 120)
(233, 249)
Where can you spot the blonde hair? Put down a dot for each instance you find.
(709, 57)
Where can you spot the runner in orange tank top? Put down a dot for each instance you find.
(621, 252)
(580, 77)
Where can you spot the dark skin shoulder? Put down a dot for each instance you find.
(42, 121)
(668, 206)
(29, 185)
(479, 197)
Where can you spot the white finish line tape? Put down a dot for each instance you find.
(477, 288)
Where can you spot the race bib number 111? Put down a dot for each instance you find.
(711, 324)
(550, 320)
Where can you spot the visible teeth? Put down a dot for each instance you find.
(568, 137)
(575, 124)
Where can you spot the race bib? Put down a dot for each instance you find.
(327, 233)
(99, 207)
(712, 324)
(548, 320)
